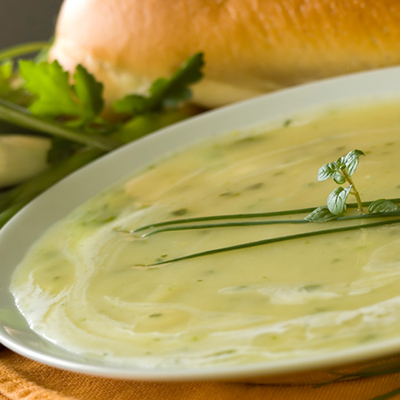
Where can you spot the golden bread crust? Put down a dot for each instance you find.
(251, 46)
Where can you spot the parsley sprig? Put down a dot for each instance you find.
(340, 171)
(41, 98)
(81, 100)
(164, 93)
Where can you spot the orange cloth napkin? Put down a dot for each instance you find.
(24, 379)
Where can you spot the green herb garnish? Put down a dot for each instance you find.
(340, 171)
(40, 98)
(383, 206)
(48, 81)
(164, 93)
(317, 210)
(275, 240)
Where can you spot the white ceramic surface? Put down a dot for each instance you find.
(24, 228)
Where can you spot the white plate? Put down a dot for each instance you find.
(33, 220)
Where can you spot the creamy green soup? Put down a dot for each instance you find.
(86, 284)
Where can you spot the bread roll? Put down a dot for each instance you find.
(251, 46)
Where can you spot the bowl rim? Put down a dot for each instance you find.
(371, 86)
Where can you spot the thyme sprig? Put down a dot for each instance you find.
(340, 171)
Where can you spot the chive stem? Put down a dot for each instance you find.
(255, 215)
(226, 216)
(274, 240)
(258, 223)
(225, 225)
(17, 115)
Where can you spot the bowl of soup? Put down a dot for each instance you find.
(189, 254)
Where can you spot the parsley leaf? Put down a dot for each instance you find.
(50, 83)
(89, 92)
(164, 92)
(55, 96)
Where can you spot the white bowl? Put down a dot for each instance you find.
(18, 235)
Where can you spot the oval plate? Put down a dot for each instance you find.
(18, 235)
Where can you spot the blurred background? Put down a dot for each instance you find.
(27, 20)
